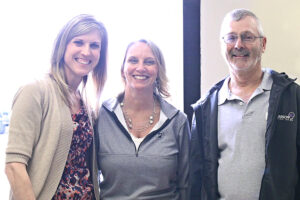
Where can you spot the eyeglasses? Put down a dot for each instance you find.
(246, 38)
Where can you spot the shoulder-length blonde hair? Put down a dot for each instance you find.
(79, 25)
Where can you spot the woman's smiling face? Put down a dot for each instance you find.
(82, 55)
(140, 67)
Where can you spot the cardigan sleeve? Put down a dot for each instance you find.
(183, 161)
(25, 123)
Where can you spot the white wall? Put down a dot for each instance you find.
(29, 28)
(280, 23)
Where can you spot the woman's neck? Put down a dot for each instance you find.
(141, 112)
(138, 100)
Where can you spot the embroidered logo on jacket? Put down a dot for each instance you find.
(289, 117)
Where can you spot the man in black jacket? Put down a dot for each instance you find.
(246, 132)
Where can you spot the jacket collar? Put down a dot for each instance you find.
(279, 79)
(265, 85)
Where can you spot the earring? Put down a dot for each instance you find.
(157, 85)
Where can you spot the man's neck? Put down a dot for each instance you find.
(244, 84)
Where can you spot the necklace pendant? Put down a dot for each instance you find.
(138, 127)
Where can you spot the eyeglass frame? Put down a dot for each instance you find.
(242, 36)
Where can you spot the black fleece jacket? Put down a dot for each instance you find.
(281, 175)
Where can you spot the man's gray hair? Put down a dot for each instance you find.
(241, 13)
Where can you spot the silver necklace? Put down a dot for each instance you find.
(138, 127)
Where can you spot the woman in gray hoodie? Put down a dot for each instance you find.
(143, 144)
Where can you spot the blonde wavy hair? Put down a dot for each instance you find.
(79, 25)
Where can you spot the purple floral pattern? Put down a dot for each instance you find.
(76, 182)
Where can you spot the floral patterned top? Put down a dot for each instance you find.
(76, 182)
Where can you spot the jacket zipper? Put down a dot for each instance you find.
(268, 137)
(151, 134)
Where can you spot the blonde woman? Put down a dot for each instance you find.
(143, 140)
(50, 151)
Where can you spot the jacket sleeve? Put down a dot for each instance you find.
(297, 192)
(183, 160)
(195, 160)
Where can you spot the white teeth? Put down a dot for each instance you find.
(83, 61)
(140, 77)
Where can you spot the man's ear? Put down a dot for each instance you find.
(264, 44)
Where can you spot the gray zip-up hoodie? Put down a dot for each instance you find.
(158, 169)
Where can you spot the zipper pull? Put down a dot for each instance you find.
(159, 134)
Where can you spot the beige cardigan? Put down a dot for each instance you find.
(40, 136)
